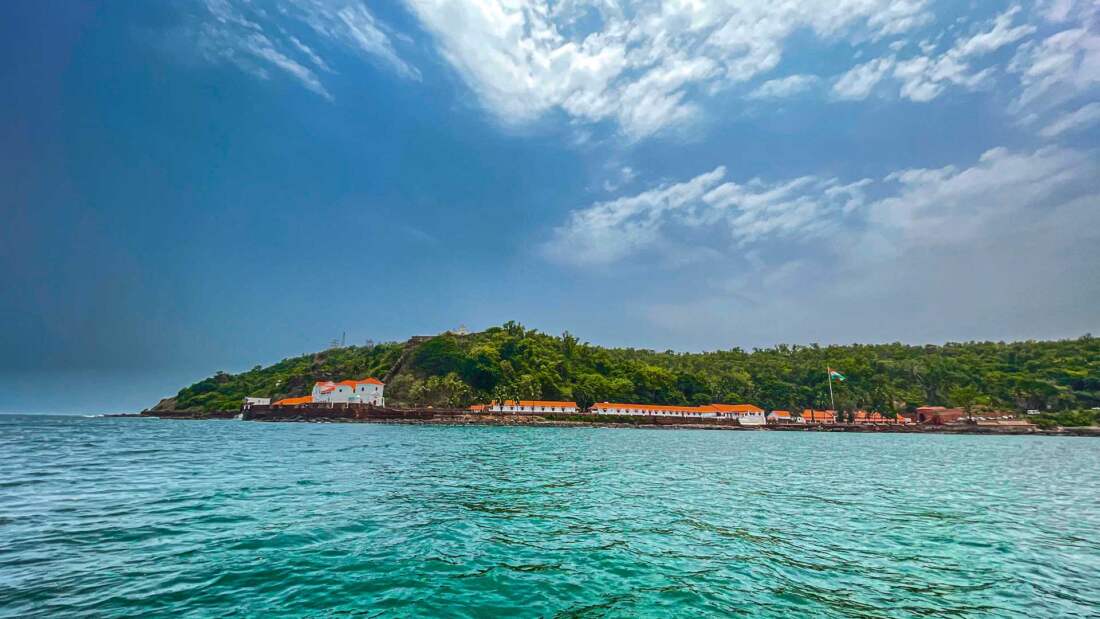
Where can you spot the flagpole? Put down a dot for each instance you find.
(829, 378)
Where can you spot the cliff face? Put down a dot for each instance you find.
(167, 404)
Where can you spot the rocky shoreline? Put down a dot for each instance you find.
(453, 418)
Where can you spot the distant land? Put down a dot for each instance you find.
(512, 362)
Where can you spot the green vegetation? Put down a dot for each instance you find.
(1067, 419)
(288, 378)
(511, 362)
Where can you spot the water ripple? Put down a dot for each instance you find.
(105, 517)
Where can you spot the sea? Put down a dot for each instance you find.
(134, 517)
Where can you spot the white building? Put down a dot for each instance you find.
(532, 406)
(250, 401)
(747, 414)
(366, 391)
(658, 410)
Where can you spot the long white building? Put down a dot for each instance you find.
(532, 406)
(366, 391)
(747, 414)
(660, 410)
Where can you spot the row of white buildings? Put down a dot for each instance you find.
(747, 414)
(372, 391)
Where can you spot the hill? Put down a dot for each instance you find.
(517, 363)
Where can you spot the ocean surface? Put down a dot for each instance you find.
(105, 517)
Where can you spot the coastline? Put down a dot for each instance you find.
(456, 418)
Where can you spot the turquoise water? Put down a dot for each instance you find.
(134, 517)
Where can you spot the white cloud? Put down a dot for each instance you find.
(309, 53)
(784, 87)
(1065, 10)
(255, 40)
(1061, 67)
(860, 80)
(925, 77)
(1003, 33)
(921, 207)
(1081, 118)
(1005, 246)
(609, 231)
(995, 198)
(624, 176)
(666, 217)
(349, 23)
(639, 66)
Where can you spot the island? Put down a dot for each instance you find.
(514, 375)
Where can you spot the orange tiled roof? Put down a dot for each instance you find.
(653, 407)
(324, 384)
(706, 408)
(737, 408)
(781, 413)
(873, 417)
(537, 403)
(476, 407)
(294, 401)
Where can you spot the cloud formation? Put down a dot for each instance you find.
(784, 87)
(256, 38)
(1081, 118)
(1061, 67)
(917, 207)
(666, 218)
(641, 67)
(1008, 242)
(654, 65)
(924, 77)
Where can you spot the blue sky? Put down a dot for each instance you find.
(210, 185)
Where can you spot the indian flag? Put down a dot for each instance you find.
(834, 375)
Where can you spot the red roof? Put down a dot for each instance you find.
(781, 413)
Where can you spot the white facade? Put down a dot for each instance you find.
(694, 412)
(366, 391)
(532, 406)
(752, 418)
(747, 414)
(257, 401)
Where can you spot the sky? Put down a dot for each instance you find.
(205, 185)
